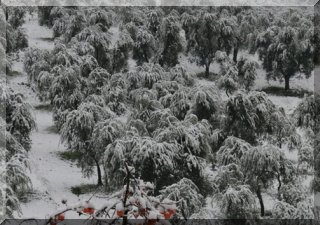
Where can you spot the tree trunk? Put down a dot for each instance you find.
(287, 83)
(279, 181)
(207, 70)
(235, 54)
(99, 173)
(258, 192)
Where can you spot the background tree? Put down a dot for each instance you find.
(206, 40)
(287, 56)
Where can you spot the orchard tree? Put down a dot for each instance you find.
(99, 40)
(76, 24)
(205, 36)
(77, 132)
(188, 22)
(100, 16)
(154, 19)
(15, 183)
(144, 46)
(286, 56)
(15, 35)
(103, 134)
(232, 150)
(171, 41)
(234, 76)
(253, 116)
(227, 33)
(206, 102)
(235, 199)
(261, 165)
(19, 119)
(120, 52)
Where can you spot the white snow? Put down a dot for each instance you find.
(38, 36)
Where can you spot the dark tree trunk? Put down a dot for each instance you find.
(99, 173)
(258, 192)
(279, 181)
(287, 83)
(207, 70)
(235, 54)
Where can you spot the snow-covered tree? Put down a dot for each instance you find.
(115, 94)
(246, 73)
(77, 133)
(251, 116)
(181, 75)
(35, 61)
(120, 52)
(286, 56)
(97, 79)
(100, 16)
(237, 202)
(261, 165)
(154, 20)
(206, 101)
(20, 121)
(144, 46)
(241, 75)
(188, 22)
(76, 24)
(15, 182)
(15, 36)
(99, 40)
(205, 40)
(232, 150)
(170, 40)
(149, 74)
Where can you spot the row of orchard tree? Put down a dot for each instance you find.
(16, 118)
(165, 124)
(284, 40)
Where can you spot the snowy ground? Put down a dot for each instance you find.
(51, 177)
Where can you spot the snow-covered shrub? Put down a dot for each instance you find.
(283, 210)
(292, 193)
